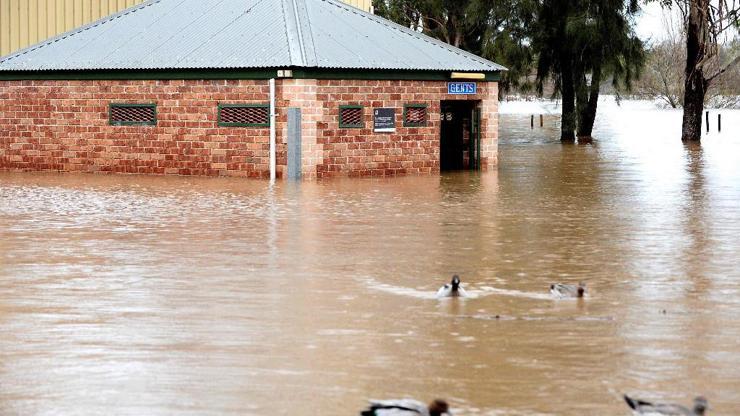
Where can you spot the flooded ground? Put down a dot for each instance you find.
(181, 296)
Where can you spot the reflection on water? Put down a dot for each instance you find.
(223, 296)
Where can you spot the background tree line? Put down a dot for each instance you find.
(577, 46)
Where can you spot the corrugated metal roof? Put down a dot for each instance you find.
(243, 34)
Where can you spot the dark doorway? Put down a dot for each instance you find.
(459, 136)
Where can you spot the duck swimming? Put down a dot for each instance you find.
(642, 407)
(406, 407)
(451, 289)
(568, 291)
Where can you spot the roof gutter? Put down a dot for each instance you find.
(257, 73)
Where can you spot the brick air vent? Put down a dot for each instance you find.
(415, 116)
(350, 117)
(133, 114)
(247, 115)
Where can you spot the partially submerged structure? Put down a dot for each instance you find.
(309, 88)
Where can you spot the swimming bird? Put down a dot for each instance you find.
(568, 291)
(642, 407)
(406, 407)
(451, 289)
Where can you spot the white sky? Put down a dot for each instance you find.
(650, 24)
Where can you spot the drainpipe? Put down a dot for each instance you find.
(273, 149)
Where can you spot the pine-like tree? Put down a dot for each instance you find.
(581, 43)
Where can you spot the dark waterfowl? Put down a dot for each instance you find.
(406, 407)
(642, 407)
(562, 290)
(451, 289)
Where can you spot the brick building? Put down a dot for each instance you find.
(310, 88)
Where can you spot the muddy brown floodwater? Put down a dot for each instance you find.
(179, 296)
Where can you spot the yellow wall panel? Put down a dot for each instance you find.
(27, 22)
(76, 14)
(69, 15)
(59, 14)
(111, 6)
(33, 27)
(360, 4)
(15, 25)
(42, 26)
(87, 11)
(23, 25)
(5, 26)
(95, 10)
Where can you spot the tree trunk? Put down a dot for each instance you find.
(458, 37)
(693, 108)
(587, 110)
(567, 89)
(695, 84)
(581, 87)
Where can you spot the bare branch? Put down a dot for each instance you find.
(725, 69)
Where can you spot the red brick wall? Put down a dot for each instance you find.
(63, 126)
(330, 151)
(410, 150)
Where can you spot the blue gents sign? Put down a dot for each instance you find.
(462, 88)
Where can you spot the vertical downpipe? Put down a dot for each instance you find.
(273, 131)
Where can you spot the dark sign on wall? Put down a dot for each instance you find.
(384, 120)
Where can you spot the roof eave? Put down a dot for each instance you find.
(240, 73)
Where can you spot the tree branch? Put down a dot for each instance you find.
(723, 70)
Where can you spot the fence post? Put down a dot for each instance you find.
(707, 121)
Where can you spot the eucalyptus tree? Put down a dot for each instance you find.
(707, 23)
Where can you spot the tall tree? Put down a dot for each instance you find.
(706, 23)
(610, 48)
(666, 63)
(580, 43)
(553, 40)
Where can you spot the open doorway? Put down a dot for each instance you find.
(459, 145)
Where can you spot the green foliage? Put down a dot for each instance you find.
(522, 34)
(586, 34)
(496, 30)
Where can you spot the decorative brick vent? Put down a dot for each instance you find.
(244, 115)
(415, 115)
(350, 116)
(133, 114)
